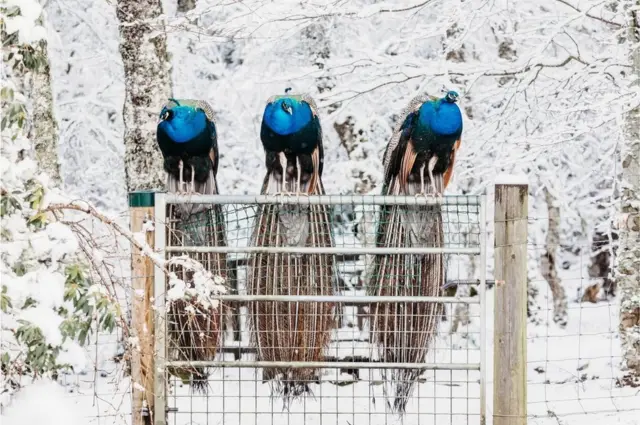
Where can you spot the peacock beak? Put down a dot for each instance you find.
(288, 109)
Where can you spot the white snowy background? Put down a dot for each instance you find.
(543, 88)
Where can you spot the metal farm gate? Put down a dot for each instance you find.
(350, 381)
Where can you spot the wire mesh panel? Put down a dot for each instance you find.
(337, 310)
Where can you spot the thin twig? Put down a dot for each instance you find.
(587, 14)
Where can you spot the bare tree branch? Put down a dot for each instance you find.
(589, 15)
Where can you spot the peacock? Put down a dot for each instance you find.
(418, 161)
(291, 135)
(187, 137)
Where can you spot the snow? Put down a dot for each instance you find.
(63, 240)
(42, 402)
(176, 288)
(512, 179)
(48, 322)
(205, 285)
(25, 23)
(45, 286)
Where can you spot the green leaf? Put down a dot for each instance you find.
(38, 219)
(5, 359)
(20, 269)
(82, 336)
(29, 302)
(5, 301)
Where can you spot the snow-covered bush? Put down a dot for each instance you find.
(57, 288)
(50, 306)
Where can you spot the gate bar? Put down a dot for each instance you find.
(295, 199)
(355, 299)
(321, 250)
(325, 365)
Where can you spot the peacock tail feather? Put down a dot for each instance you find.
(284, 331)
(195, 331)
(404, 332)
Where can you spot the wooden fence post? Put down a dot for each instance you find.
(142, 274)
(510, 310)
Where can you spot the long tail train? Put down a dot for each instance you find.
(284, 331)
(195, 331)
(404, 332)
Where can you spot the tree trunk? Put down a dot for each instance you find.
(44, 129)
(143, 47)
(602, 248)
(548, 261)
(628, 256)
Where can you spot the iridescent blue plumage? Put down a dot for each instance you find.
(442, 116)
(430, 135)
(291, 332)
(187, 137)
(286, 116)
(292, 138)
(186, 123)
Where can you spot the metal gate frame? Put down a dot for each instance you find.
(161, 201)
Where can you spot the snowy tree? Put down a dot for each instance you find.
(33, 74)
(549, 260)
(628, 256)
(50, 305)
(44, 131)
(147, 85)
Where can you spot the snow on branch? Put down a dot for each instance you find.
(206, 285)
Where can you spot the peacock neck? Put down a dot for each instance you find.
(441, 117)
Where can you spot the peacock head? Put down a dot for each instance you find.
(182, 122)
(287, 106)
(451, 96)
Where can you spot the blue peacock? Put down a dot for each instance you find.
(427, 141)
(188, 141)
(187, 137)
(418, 161)
(292, 139)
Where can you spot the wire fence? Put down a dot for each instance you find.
(309, 350)
(573, 362)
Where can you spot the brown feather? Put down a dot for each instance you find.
(195, 331)
(405, 332)
(448, 174)
(406, 165)
(291, 331)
